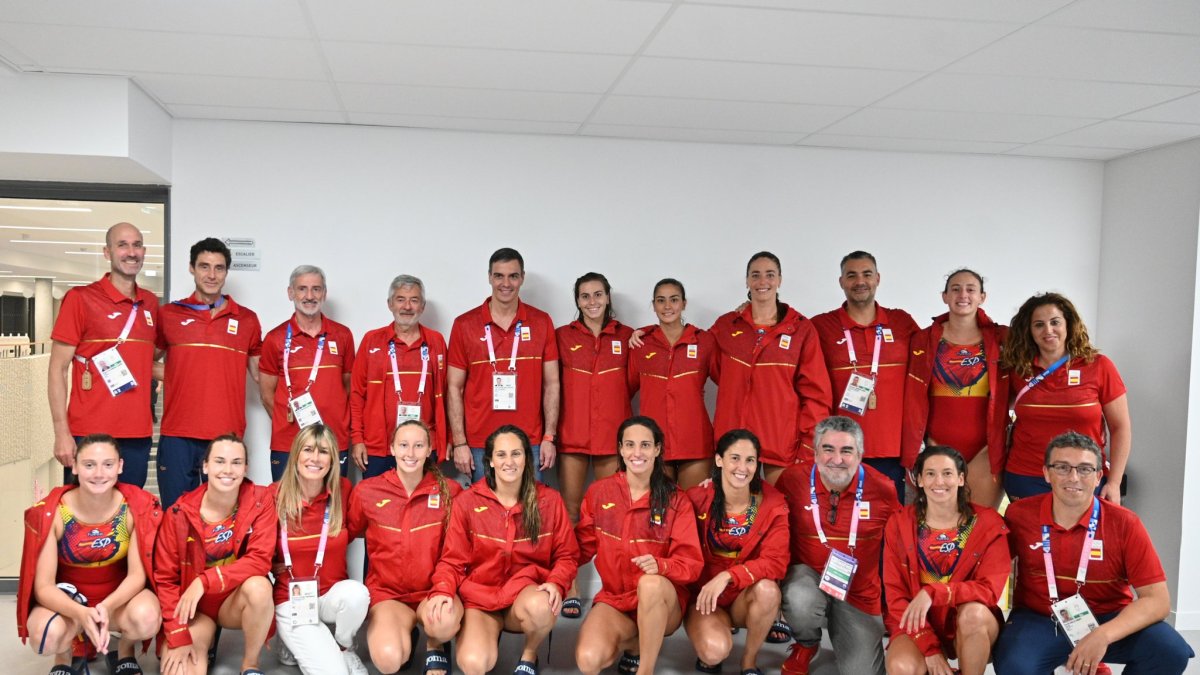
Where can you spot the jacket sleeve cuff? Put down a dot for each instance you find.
(178, 635)
(938, 593)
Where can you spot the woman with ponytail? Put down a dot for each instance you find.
(642, 531)
(403, 515)
(945, 563)
(509, 557)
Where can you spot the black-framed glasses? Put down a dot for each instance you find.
(1063, 469)
(834, 498)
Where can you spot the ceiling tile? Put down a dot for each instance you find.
(1166, 16)
(985, 10)
(1089, 54)
(1067, 151)
(595, 26)
(1186, 109)
(771, 36)
(954, 126)
(691, 135)
(475, 68)
(93, 50)
(1027, 95)
(1127, 134)
(244, 92)
(733, 115)
(904, 144)
(728, 80)
(273, 18)
(478, 103)
(254, 114)
(464, 124)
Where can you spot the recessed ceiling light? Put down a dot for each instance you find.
(71, 209)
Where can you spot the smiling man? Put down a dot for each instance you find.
(100, 327)
(1048, 534)
(210, 343)
(304, 373)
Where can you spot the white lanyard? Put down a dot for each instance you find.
(816, 508)
(287, 553)
(516, 338)
(124, 332)
(316, 366)
(874, 357)
(396, 371)
(1085, 556)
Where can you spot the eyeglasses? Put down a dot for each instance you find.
(834, 498)
(1063, 469)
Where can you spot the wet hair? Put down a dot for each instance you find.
(716, 513)
(668, 281)
(210, 245)
(963, 270)
(858, 255)
(232, 438)
(838, 423)
(609, 313)
(505, 255)
(1074, 439)
(965, 511)
(661, 487)
(289, 499)
(431, 462)
(301, 270)
(93, 439)
(531, 517)
(1019, 348)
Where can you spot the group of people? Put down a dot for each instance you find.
(714, 524)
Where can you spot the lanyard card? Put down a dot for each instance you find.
(839, 571)
(302, 607)
(1075, 617)
(305, 410)
(114, 372)
(407, 411)
(504, 391)
(859, 390)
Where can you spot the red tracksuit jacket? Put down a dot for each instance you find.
(671, 379)
(595, 387)
(765, 548)
(487, 558)
(614, 529)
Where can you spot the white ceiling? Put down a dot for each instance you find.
(1090, 79)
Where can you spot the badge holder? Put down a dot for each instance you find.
(859, 394)
(504, 391)
(304, 409)
(407, 411)
(116, 375)
(302, 594)
(1075, 617)
(838, 573)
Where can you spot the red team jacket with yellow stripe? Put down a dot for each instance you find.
(671, 379)
(595, 387)
(765, 548)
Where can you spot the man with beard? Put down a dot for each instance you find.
(304, 373)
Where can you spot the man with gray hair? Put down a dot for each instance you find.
(305, 370)
(400, 375)
(838, 511)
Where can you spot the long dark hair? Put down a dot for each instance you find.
(965, 511)
(717, 512)
(431, 465)
(1019, 348)
(661, 487)
(609, 312)
(532, 517)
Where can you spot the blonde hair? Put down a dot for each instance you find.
(289, 500)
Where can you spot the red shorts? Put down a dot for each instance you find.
(210, 603)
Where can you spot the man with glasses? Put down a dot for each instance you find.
(838, 510)
(1084, 556)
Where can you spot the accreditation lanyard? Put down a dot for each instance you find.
(1085, 555)
(516, 338)
(287, 553)
(1037, 379)
(202, 306)
(124, 331)
(316, 366)
(874, 357)
(816, 508)
(396, 371)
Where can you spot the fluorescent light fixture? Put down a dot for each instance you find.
(70, 209)
(68, 243)
(71, 283)
(26, 276)
(148, 255)
(39, 228)
(151, 273)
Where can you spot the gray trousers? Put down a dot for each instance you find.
(857, 637)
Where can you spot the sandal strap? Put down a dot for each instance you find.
(526, 668)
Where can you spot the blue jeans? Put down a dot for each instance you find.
(378, 465)
(179, 462)
(135, 456)
(279, 460)
(1029, 645)
(890, 467)
(477, 455)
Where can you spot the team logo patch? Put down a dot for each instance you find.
(693, 351)
(576, 348)
(918, 352)
(480, 509)
(1073, 377)
(526, 334)
(375, 349)
(149, 317)
(297, 348)
(186, 322)
(231, 328)
(333, 348)
(434, 502)
(382, 503)
(735, 333)
(887, 335)
(656, 519)
(651, 355)
(616, 347)
(441, 360)
(1097, 552)
(607, 506)
(864, 510)
(114, 315)
(785, 341)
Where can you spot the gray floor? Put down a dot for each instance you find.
(678, 656)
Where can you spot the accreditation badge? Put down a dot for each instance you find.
(504, 391)
(116, 375)
(304, 409)
(857, 396)
(839, 572)
(1075, 617)
(302, 602)
(407, 411)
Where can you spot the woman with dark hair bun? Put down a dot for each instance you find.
(1058, 381)
(945, 563)
(743, 528)
(641, 530)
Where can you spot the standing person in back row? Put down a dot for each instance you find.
(503, 370)
(866, 351)
(100, 328)
(304, 373)
(210, 342)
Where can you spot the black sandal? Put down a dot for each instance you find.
(437, 659)
(751, 671)
(572, 608)
(705, 668)
(126, 666)
(780, 633)
(63, 670)
(526, 668)
(629, 663)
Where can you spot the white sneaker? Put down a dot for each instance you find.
(284, 654)
(354, 664)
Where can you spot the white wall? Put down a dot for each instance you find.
(369, 203)
(1148, 325)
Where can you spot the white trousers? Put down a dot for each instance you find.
(317, 650)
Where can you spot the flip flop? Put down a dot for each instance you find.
(572, 608)
(706, 668)
(437, 659)
(629, 664)
(526, 668)
(780, 633)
